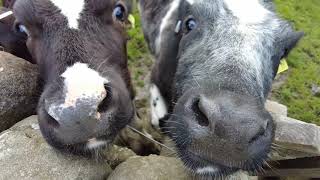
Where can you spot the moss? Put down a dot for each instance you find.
(304, 61)
(138, 55)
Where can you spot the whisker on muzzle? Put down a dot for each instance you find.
(151, 139)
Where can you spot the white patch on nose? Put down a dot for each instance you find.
(80, 82)
(207, 170)
(165, 21)
(71, 10)
(158, 105)
(94, 143)
(247, 11)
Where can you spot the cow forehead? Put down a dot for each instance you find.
(71, 10)
(247, 11)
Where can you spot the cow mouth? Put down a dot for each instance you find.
(89, 145)
(197, 161)
(203, 167)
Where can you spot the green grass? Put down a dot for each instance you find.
(138, 55)
(304, 61)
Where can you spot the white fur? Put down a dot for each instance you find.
(165, 21)
(248, 11)
(80, 81)
(6, 14)
(160, 110)
(191, 1)
(251, 14)
(207, 170)
(71, 10)
(94, 143)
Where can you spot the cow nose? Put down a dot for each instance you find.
(228, 120)
(77, 115)
(223, 127)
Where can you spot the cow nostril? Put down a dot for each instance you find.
(200, 116)
(104, 105)
(259, 134)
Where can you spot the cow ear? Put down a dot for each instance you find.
(284, 44)
(290, 42)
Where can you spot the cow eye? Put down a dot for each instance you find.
(20, 28)
(119, 12)
(191, 24)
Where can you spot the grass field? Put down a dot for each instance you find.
(304, 61)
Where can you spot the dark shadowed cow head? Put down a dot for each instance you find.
(216, 60)
(8, 3)
(80, 47)
(11, 39)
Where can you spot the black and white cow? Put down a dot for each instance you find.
(80, 47)
(215, 63)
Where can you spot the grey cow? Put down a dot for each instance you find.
(215, 63)
(80, 49)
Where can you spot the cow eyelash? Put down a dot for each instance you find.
(190, 24)
(119, 12)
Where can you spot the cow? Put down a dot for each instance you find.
(80, 48)
(215, 63)
(11, 39)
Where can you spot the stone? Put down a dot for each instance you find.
(240, 175)
(315, 90)
(19, 90)
(24, 154)
(276, 108)
(159, 168)
(140, 136)
(117, 155)
(150, 167)
(295, 139)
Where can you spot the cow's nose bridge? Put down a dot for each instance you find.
(75, 107)
(82, 82)
(85, 92)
